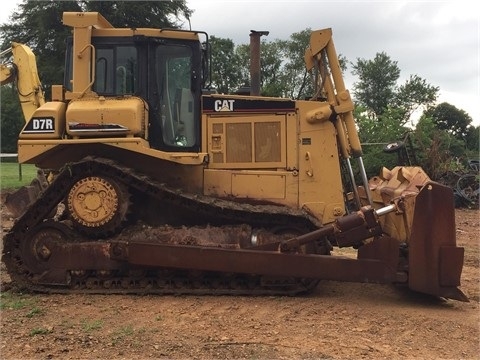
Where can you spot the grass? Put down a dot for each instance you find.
(39, 331)
(127, 332)
(12, 301)
(34, 312)
(13, 175)
(89, 325)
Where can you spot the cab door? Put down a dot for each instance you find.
(175, 98)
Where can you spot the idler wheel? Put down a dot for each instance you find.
(40, 245)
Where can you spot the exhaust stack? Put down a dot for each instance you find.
(255, 61)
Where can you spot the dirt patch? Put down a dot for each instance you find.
(337, 321)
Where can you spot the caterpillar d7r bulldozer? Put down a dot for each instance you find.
(148, 183)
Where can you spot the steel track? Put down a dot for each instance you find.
(124, 279)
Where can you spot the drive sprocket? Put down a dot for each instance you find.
(98, 206)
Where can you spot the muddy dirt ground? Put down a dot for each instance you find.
(337, 321)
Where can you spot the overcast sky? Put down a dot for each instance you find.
(436, 40)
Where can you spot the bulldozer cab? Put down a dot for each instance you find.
(165, 72)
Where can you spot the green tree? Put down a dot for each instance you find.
(377, 81)
(439, 151)
(226, 75)
(472, 140)
(375, 135)
(413, 95)
(242, 51)
(447, 117)
(271, 57)
(146, 14)
(11, 118)
(297, 80)
(271, 83)
(449, 140)
(378, 91)
(271, 68)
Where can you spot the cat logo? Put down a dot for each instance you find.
(224, 105)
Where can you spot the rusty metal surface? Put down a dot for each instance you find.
(296, 242)
(355, 228)
(385, 249)
(255, 61)
(18, 201)
(432, 237)
(254, 262)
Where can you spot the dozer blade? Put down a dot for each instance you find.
(435, 262)
(18, 201)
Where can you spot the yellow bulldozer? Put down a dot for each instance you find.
(150, 182)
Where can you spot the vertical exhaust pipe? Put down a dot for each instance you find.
(255, 61)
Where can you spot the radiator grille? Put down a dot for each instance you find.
(267, 142)
(239, 143)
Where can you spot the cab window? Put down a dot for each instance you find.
(115, 70)
(174, 68)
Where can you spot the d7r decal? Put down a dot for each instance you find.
(40, 125)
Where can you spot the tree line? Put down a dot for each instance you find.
(443, 138)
